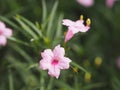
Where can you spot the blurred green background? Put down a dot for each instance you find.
(18, 69)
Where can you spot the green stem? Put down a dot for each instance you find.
(42, 81)
(11, 86)
(50, 84)
(78, 66)
(76, 82)
(44, 10)
(18, 41)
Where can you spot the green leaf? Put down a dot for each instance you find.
(18, 41)
(78, 66)
(93, 86)
(64, 85)
(11, 86)
(58, 31)
(16, 27)
(9, 22)
(59, 26)
(115, 83)
(26, 28)
(33, 65)
(44, 11)
(21, 67)
(23, 53)
(50, 84)
(38, 31)
(51, 18)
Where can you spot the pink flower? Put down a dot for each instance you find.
(86, 3)
(54, 60)
(75, 27)
(110, 3)
(4, 33)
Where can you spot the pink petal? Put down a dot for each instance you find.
(79, 22)
(74, 29)
(86, 3)
(81, 28)
(45, 64)
(67, 22)
(64, 63)
(110, 3)
(48, 54)
(69, 35)
(58, 52)
(3, 40)
(84, 29)
(2, 29)
(2, 25)
(54, 71)
(7, 32)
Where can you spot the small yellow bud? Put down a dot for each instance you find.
(88, 22)
(81, 17)
(17, 16)
(98, 61)
(87, 77)
(75, 69)
(47, 40)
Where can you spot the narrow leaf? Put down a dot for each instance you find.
(26, 28)
(32, 26)
(23, 53)
(59, 26)
(51, 18)
(44, 10)
(78, 66)
(18, 41)
(11, 85)
(62, 84)
(9, 22)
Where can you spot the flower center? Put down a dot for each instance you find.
(54, 62)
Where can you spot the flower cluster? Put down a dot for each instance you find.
(4, 33)
(54, 61)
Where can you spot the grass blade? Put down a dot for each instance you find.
(93, 86)
(9, 22)
(11, 86)
(59, 26)
(23, 53)
(62, 84)
(44, 9)
(52, 15)
(32, 26)
(78, 66)
(26, 28)
(18, 41)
